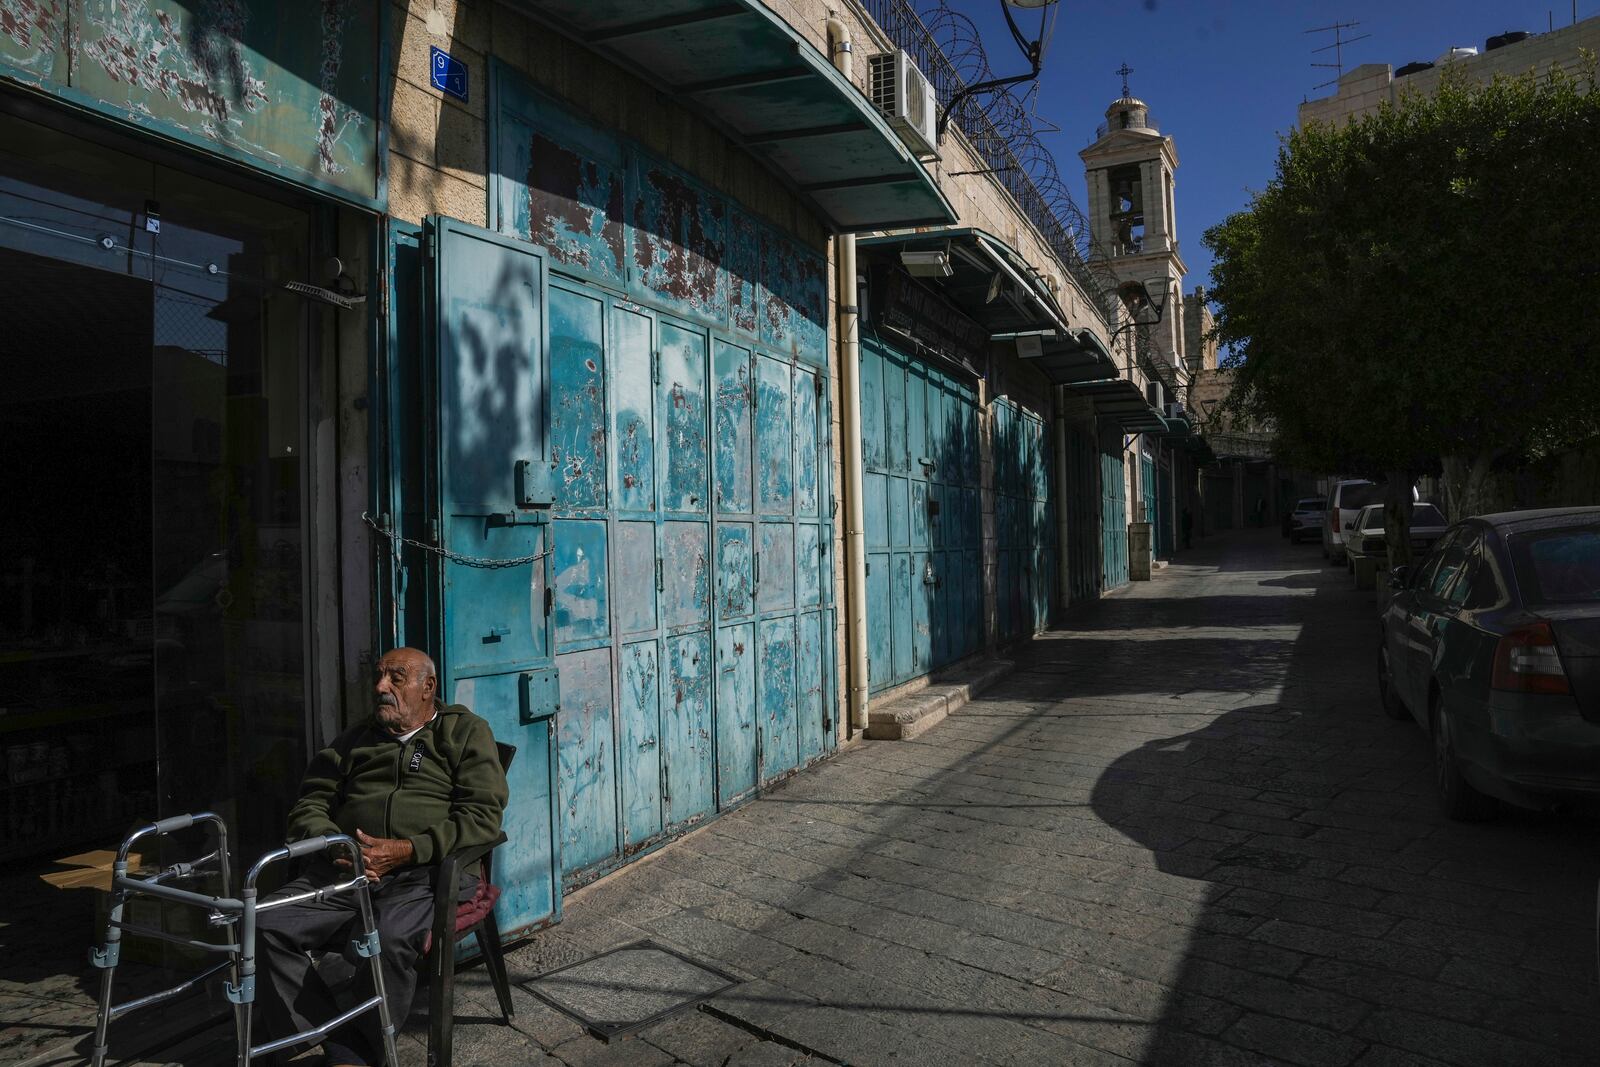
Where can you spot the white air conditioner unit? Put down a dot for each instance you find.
(904, 95)
(1175, 411)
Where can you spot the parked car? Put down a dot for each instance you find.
(1305, 520)
(1344, 499)
(1492, 644)
(1365, 534)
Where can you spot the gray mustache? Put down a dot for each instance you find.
(388, 700)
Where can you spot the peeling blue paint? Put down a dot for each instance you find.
(687, 724)
(775, 589)
(682, 405)
(577, 415)
(780, 742)
(736, 713)
(633, 363)
(581, 608)
(775, 436)
(807, 446)
(686, 573)
(586, 759)
(640, 751)
(735, 570)
(734, 394)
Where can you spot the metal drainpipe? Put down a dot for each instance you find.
(855, 546)
(1063, 486)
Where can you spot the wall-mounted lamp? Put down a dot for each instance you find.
(1032, 51)
(930, 263)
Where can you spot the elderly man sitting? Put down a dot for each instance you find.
(413, 783)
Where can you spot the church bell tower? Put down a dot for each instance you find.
(1130, 167)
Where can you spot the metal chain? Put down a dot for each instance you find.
(396, 540)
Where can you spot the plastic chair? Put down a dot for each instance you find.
(238, 913)
(453, 920)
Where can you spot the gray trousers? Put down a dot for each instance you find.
(294, 997)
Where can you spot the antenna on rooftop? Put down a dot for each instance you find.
(1337, 48)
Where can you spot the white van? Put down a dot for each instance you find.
(1350, 495)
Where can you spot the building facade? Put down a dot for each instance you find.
(633, 365)
(1366, 88)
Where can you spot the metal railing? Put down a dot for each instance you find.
(1146, 123)
(1000, 132)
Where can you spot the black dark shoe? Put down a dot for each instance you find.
(336, 1055)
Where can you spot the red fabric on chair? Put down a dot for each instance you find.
(470, 912)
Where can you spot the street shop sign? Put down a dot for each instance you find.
(927, 319)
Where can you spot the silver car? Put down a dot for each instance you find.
(1306, 521)
(1364, 535)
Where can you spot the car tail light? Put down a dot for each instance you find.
(1333, 520)
(1526, 661)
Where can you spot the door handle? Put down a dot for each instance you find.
(496, 633)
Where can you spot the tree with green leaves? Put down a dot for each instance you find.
(1420, 288)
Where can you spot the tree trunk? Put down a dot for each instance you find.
(1468, 484)
(1397, 518)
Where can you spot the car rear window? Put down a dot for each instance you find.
(1359, 496)
(1426, 515)
(1313, 504)
(1372, 519)
(1560, 566)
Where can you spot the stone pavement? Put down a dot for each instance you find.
(1182, 832)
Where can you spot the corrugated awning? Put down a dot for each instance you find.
(989, 280)
(746, 70)
(1123, 401)
(1071, 358)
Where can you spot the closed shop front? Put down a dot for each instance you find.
(924, 577)
(1083, 503)
(1024, 521)
(639, 374)
(1113, 510)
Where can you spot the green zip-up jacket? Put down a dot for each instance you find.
(442, 790)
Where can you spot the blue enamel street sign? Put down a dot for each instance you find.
(448, 74)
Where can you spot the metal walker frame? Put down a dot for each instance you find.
(239, 913)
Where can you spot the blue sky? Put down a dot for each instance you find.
(1224, 77)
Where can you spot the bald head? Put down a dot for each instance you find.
(405, 692)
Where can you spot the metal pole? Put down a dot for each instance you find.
(855, 551)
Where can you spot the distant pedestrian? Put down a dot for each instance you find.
(1261, 511)
(1187, 524)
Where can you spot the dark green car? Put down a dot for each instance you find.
(1492, 643)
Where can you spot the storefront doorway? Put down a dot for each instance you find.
(152, 575)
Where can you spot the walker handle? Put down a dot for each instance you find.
(175, 823)
(296, 849)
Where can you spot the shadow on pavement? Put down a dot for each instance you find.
(1340, 909)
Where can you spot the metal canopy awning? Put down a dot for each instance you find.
(989, 281)
(1122, 400)
(772, 91)
(1066, 359)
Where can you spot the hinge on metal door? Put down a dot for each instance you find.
(430, 245)
(833, 506)
(869, 567)
(549, 601)
(655, 367)
(433, 531)
(661, 580)
(757, 578)
(816, 382)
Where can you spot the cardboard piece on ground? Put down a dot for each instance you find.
(88, 870)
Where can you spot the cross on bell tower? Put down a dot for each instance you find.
(1124, 70)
